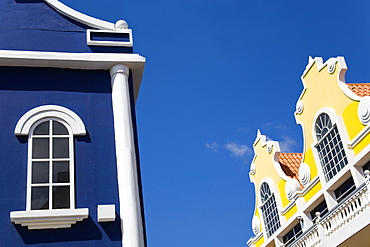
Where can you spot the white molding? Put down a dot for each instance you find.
(299, 194)
(309, 186)
(359, 137)
(253, 240)
(291, 187)
(304, 174)
(90, 61)
(49, 219)
(25, 123)
(78, 16)
(289, 206)
(129, 43)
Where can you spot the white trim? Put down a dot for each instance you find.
(78, 16)
(128, 183)
(309, 186)
(90, 61)
(54, 111)
(49, 219)
(254, 239)
(359, 137)
(129, 43)
(290, 205)
(50, 159)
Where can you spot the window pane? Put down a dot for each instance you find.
(60, 148)
(60, 197)
(40, 172)
(42, 129)
(59, 129)
(60, 172)
(39, 198)
(40, 149)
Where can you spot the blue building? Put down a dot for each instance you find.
(70, 172)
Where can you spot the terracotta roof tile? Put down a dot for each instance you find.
(360, 89)
(290, 163)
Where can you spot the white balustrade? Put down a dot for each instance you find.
(345, 212)
(336, 219)
(310, 238)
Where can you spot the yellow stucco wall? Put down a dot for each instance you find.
(313, 191)
(291, 212)
(260, 241)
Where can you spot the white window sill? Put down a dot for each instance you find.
(49, 219)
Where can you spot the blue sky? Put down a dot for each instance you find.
(216, 72)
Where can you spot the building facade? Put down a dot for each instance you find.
(320, 197)
(70, 174)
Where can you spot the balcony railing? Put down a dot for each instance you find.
(309, 238)
(346, 211)
(336, 219)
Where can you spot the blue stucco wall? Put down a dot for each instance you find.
(33, 25)
(88, 94)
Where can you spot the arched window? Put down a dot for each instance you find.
(329, 147)
(269, 210)
(50, 165)
(50, 201)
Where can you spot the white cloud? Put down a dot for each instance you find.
(238, 150)
(213, 146)
(288, 144)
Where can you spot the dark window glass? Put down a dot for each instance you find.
(292, 235)
(344, 190)
(59, 129)
(39, 198)
(40, 172)
(40, 148)
(322, 208)
(60, 197)
(60, 148)
(42, 129)
(60, 172)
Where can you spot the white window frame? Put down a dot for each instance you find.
(70, 159)
(325, 165)
(336, 121)
(49, 218)
(263, 203)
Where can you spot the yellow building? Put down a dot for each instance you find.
(322, 196)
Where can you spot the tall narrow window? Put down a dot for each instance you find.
(329, 147)
(50, 165)
(50, 201)
(269, 210)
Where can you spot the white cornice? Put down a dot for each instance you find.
(79, 17)
(89, 61)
